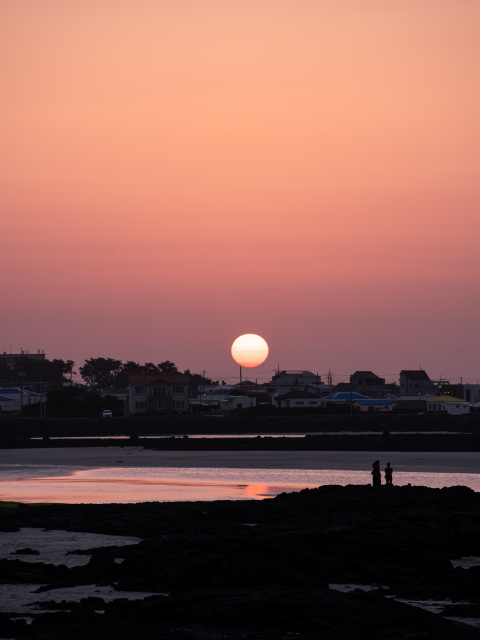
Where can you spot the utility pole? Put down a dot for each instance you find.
(21, 374)
(241, 383)
(190, 394)
(41, 397)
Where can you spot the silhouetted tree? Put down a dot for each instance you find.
(152, 368)
(167, 367)
(101, 372)
(197, 379)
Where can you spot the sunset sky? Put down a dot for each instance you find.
(174, 174)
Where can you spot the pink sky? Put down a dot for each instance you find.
(174, 174)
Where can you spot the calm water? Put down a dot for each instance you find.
(132, 484)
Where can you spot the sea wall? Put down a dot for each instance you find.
(196, 425)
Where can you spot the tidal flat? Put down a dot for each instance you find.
(332, 562)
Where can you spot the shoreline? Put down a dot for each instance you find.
(83, 458)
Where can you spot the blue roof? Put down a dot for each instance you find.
(346, 395)
(16, 392)
(374, 401)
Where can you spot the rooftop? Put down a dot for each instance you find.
(446, 399)
(152, 378)
(297, 394)
(414, 374)
(373, 401)
(346, 395)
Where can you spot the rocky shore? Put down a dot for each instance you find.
(261, 569)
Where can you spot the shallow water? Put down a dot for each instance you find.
(124, 484)
(54, 545)
(19, 598)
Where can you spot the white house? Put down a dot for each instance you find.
(8, 403)
(297, 400)
(447, 404)
(159, 393)
(213, 394)
(237, 402)
(373, 405)
(27, 397)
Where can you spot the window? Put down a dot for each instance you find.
(159, 405)
(239, 405)
(140, 390)
(299, 402)
(313, 402)
(179, 405)
(178, 390)
(159, 392)
(140, 405)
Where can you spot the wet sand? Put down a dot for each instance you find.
(82, 458)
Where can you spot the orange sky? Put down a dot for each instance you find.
(174, 174)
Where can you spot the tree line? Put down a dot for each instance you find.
(107, 372)
(98, 373)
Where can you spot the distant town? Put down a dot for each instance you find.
(32, 385)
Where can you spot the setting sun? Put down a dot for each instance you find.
(249, 350)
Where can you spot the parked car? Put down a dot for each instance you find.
(107, 413)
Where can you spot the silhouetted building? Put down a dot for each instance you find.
(293, 380)
(12, 358)
(469, 393)
(368, 383)
(415, 382)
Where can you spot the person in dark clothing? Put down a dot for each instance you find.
(376, 474)
(388, 474)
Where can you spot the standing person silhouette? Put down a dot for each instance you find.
(388, 474)
(376, 474)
